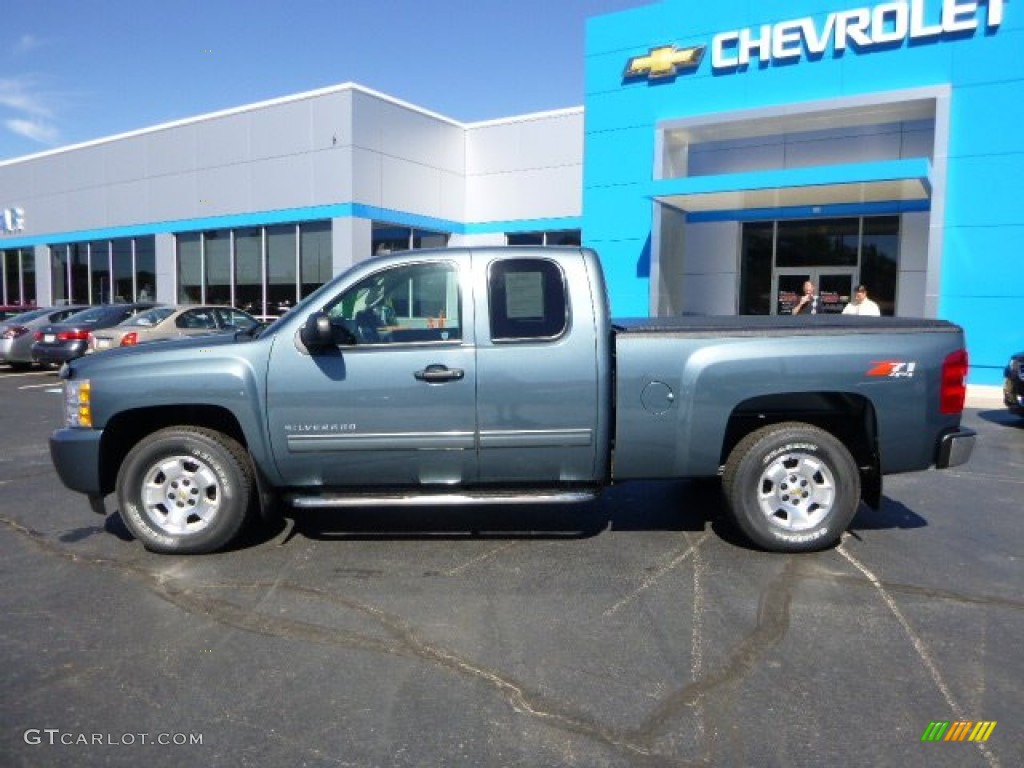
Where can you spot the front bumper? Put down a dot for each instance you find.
(1013, 395)
(76, 455)
(955, 448)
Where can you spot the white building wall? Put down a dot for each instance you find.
(526, 168)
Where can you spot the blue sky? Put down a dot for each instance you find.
(75, 70)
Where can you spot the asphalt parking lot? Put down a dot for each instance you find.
(634, 631)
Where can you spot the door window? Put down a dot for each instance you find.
(527, 299)
(405, 304)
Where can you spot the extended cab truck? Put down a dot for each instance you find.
(495, 375)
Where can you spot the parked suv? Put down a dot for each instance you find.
(60, 342)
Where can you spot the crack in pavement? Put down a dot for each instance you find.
(397, 637)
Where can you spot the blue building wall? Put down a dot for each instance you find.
(983, 218)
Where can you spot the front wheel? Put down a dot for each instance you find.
(186, 490)
(791, 487)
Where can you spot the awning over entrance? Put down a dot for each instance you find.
(852, 183)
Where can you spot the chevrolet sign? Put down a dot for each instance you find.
(665, 61)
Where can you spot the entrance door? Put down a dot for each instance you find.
(833, 286)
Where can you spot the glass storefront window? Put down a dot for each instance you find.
(190, 268)
(17, 275)
(845, 251)
(552, 237)
(389, 238)
(217, 265)
(123, 262)
(316, 263)
(756, 259)
(145, 268)
(100, 289)
(59, 272)
(879, 260)
(78, 259)
(249, 270)
(281, 268)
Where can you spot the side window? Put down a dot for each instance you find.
(527, 299)
(409, 303)
(197, 318)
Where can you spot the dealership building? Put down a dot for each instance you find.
(724, 154)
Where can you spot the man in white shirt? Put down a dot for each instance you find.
(861, 304)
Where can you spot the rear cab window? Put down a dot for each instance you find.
(528, 300)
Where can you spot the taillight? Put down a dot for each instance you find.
(130, 339)
(75, 335)
(14, 331)
(953, 388)
(38, 336)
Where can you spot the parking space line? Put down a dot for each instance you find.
(479, 558)
(28, 373)
(52, 384)
(656, 576)
(915, 640)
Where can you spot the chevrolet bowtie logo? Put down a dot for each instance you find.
(665, 61)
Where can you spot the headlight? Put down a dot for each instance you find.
(77, 403)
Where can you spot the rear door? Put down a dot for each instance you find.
(538, 394)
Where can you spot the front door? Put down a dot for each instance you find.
(833, 288)
(395, 402)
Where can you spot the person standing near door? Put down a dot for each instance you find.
(861, 304)
(809, 303)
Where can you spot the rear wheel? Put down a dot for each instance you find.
(791, 487)
(186, 490)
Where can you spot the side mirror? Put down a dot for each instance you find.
(317, 333)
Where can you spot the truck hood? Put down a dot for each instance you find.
(157, 353)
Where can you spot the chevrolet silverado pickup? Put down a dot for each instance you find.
(497, 376)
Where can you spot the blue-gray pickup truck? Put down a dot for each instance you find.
(496, 375)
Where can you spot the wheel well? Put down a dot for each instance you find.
(851, 418)
(126, 429)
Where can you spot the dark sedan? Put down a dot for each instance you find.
(1013, 384)
(60, 342)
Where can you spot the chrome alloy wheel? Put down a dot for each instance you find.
(181, 494)
(796, 491)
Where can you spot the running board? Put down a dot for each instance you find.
(412, 499)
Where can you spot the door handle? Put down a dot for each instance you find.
(436, 374)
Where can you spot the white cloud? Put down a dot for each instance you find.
(26, 43)
(37, 130)
(17, 94)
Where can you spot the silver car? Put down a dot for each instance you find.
(17, 333)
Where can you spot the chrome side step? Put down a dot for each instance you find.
(413, 499)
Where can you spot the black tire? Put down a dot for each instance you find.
(20, 366)
(791, 487)
(186, 490)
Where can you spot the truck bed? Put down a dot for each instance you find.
(776, 325)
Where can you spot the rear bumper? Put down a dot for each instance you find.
(955, 448)
(76, 456)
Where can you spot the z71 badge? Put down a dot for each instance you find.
(893, 369)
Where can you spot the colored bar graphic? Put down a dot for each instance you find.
(958, 730)
(983, 731)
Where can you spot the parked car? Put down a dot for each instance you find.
(1013, 384)
(161, 323)
(8, 311)
(17, 334)
(59, 342)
